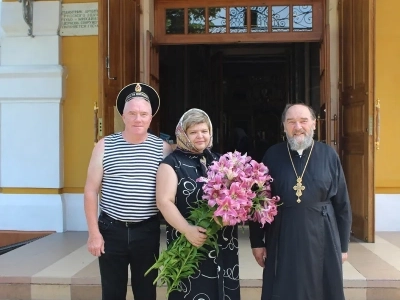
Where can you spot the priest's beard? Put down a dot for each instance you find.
(298, 143)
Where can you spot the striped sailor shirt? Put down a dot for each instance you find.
(128, 191)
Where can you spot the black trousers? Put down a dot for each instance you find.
(136, 246)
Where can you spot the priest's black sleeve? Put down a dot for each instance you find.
(257, 234)
(341, 205)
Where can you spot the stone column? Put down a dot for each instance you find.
(31, 135)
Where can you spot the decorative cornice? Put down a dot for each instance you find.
(31, 83)
(31, 71)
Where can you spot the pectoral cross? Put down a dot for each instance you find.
(299, 187)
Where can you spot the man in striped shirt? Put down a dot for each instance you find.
(122, 171)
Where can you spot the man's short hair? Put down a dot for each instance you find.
(289, 105)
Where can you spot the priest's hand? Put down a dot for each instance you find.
(344, 257)
(260, 254)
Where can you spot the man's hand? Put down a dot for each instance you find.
(344, 257)
(260, 254)
(95, 244)
(167, 149)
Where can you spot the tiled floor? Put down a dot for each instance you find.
(58, 267)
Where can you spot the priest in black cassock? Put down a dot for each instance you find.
(302, 251)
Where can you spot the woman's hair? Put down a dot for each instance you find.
(193, 118)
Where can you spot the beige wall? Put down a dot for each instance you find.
(387, 78)
(80, 58)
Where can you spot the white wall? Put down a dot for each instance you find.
(31, 135)
(32, 212)
(387, 208)
(1, 31)
(74, 213)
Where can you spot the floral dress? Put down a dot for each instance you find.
(218, 275)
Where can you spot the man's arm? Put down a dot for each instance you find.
(341, 205)
(257, 235)
(167, 149)
(92, 188)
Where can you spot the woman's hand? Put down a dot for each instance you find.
(195, 235)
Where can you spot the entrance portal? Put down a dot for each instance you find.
(243, 88)
(219, 72)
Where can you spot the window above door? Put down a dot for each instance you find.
(199, 22)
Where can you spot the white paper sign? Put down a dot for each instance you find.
(79, 19)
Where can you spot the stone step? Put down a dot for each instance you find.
(63, 269)
(93, 292)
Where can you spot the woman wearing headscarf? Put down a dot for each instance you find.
(177, 191)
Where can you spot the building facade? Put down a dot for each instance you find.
(51, 84)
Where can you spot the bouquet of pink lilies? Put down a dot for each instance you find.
(236, 189)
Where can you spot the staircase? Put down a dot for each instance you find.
(59, 267)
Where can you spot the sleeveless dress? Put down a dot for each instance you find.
(218, 276)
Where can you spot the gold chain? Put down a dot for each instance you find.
(299, 187)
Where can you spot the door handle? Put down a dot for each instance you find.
(378, 124)
(95, 122)
(319, 127)
(335, 129)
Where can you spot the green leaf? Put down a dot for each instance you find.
(181, 259)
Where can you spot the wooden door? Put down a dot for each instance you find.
(357, 111)
(153, 67)
(119, 39)
(323, 119)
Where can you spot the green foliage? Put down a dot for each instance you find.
(182, 259)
